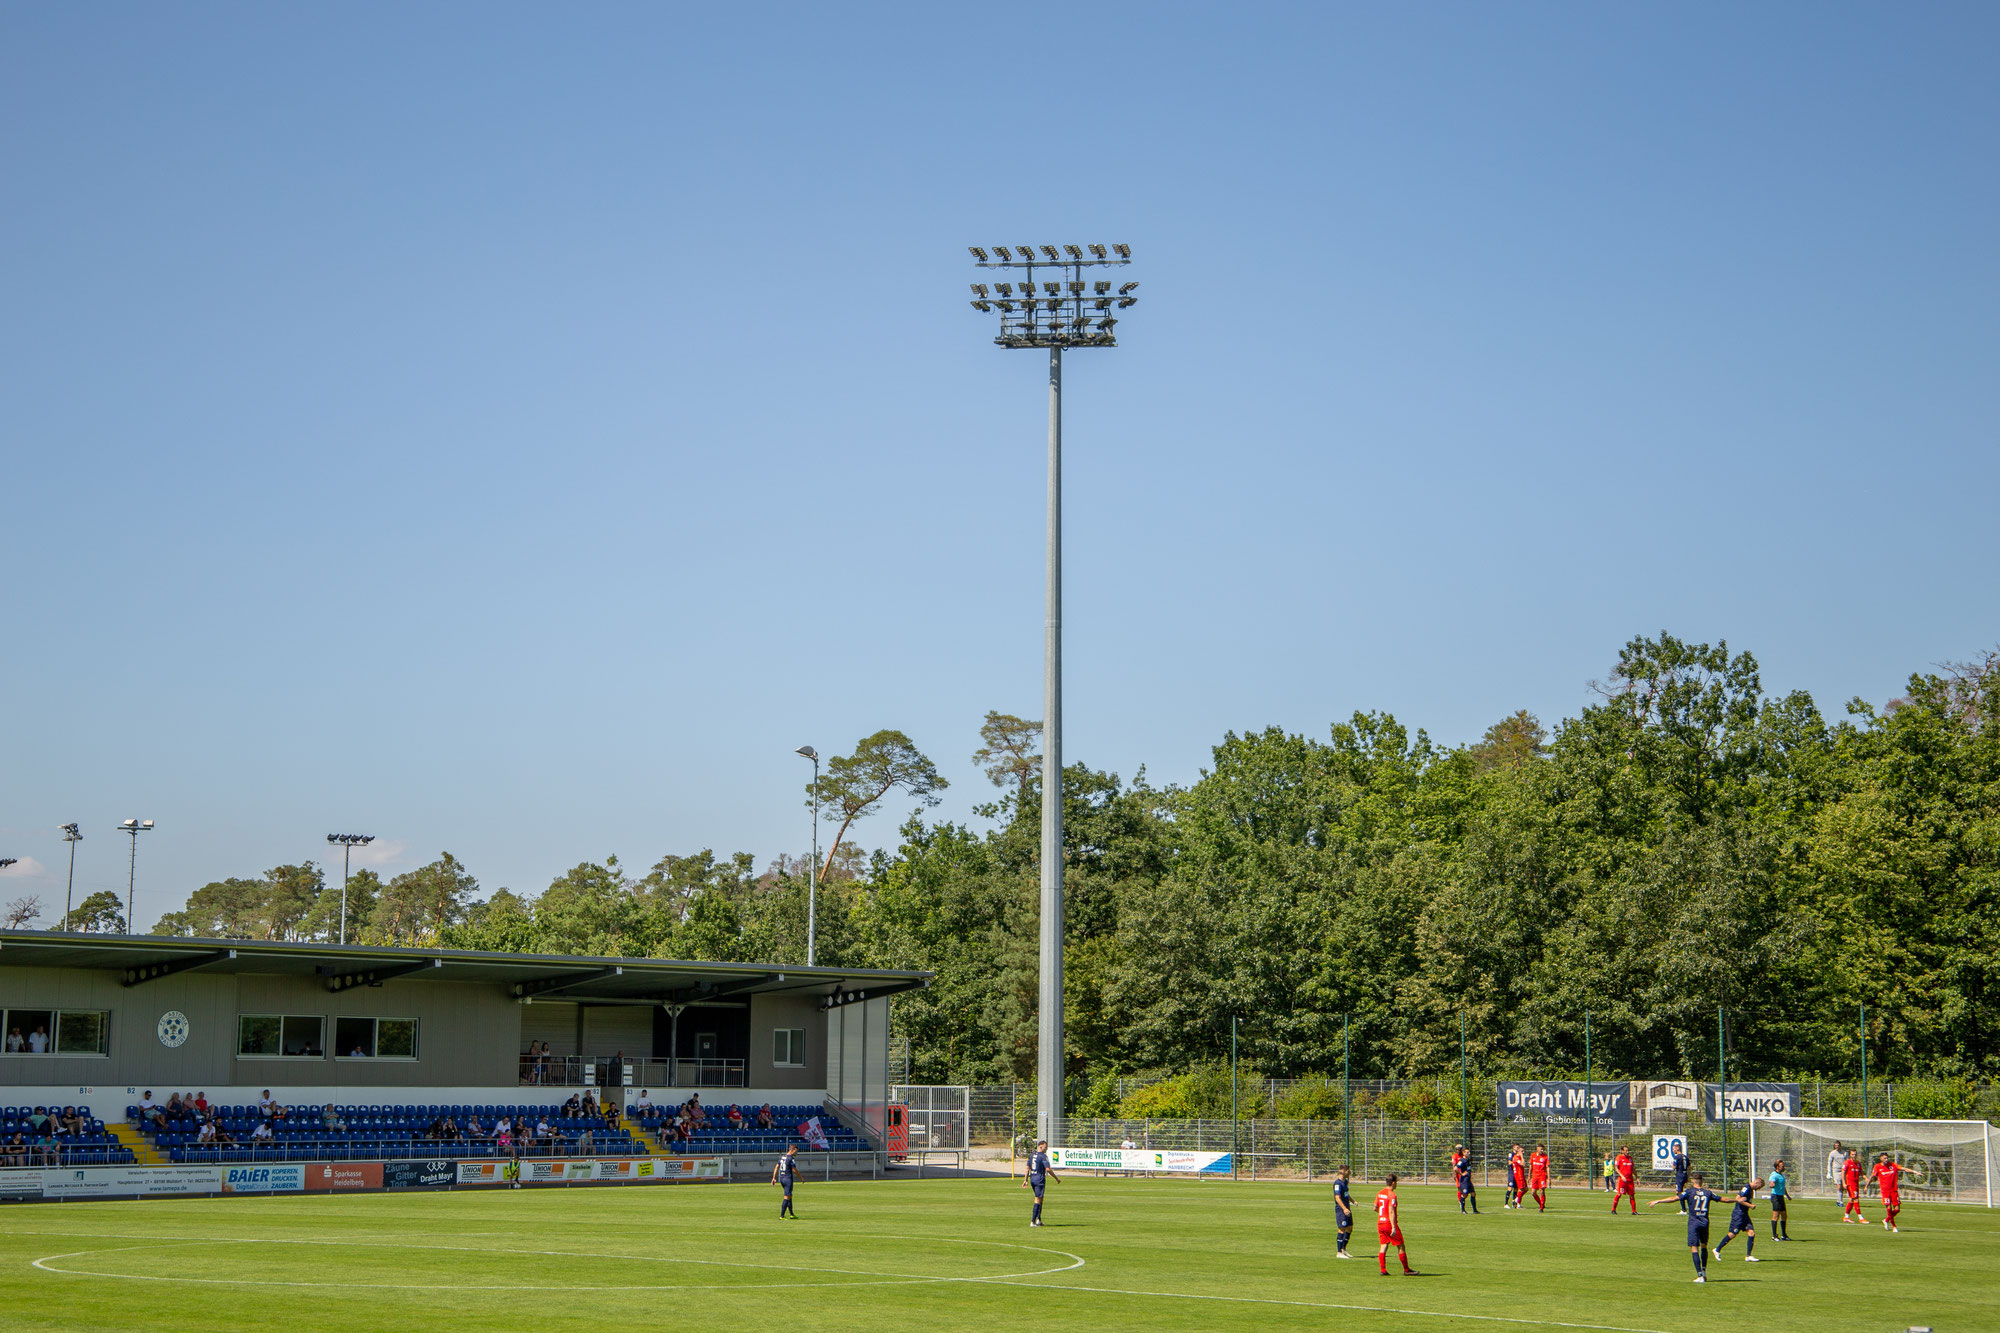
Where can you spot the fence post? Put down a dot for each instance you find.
(1309, 1152)
(1427, 1152)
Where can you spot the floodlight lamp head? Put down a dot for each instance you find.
(145, 823)
(1128, 289)
(128, 823)
(365, 838)
(978, 252)
(806, 752)
(1098, 251)
(1050, 251)
(333, 837)
(979, 289)
(6, 861)
(1073, 251)
(71, 833)
(1124, 251)
(1003, 252)
(982, 305)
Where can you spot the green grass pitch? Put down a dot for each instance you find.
(899, 1255)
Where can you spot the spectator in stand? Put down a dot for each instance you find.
(585, 1144)
(175, 1110)
(589, 1107)
(269, 1106)
(15, 1045)
(331, 1119)
(205, 1136)
(574, 1104)
(15, 1151)
(765, 1118)
(38, 1040)
(201, 1102)
(46, 1151)
(471, 1129)
(38, 1122)
(223, 1138)
(150, 1110)
(263, 1134)
(611, 1115)
(71, 1123)
(642, 1106)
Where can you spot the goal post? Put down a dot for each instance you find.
(1953, 1161)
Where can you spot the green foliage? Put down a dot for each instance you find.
(1935, 1099)
(1101, 1102)
(1202, 1093)
(1313, 1097)
(103, 911)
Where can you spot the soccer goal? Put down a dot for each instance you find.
(1951, 1160)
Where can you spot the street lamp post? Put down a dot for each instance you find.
(1060, 308)
(134, 827)
(812, 866)
(347, 842)
(71, 835)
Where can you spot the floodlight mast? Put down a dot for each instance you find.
(1066, 314)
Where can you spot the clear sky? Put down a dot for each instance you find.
(512, 429)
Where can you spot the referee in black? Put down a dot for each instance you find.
(786, 1173)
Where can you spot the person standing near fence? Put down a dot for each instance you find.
(1781, 1191)
(1343, 1213)
(1850, 1186)
(1538, 1176)
(1389, 1228)
(1040, 1172)
(1681, 1168)
(1627, 1187)
(1610, 1173)
(786, 1173)
(1461, 1170)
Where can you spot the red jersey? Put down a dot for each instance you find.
(1515, 1165)
(1385, 1210)
(1538, 1169)
(1624, 1165)
(1851, 1174)
(1885, 1178)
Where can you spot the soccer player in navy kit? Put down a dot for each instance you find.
(1040, 1173)
(1343, 1213)
(1740, 1223)
(1461, 1169)
(1681, 1169)
(785, 1173)
(1694, 1201)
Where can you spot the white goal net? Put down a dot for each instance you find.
(1953, 1161)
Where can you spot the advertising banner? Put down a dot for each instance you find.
(688, 1168)
(1664, 1148)
(1562, 1102)
(1139, 1159)
(344, 1176)
(263, 1179)
(17, 1183)
(1750, 1101)
(622, 1169)
(102, 1181)
(541, 1171)
(419, 1175)
(491, 1172)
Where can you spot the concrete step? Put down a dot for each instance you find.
(131, 1138)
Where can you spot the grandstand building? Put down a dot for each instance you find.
(102, 1019)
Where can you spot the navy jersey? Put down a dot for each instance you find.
(1680, 1168)
(788, 1170)
(1342, 1203)
(1462, 1168)
(1739, 1217)
(1697, 1201)
(1038, 1165)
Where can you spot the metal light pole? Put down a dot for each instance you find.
(1722, 1089)
(1864, 1062)
(1346, 1095)
(71, 835)
(134, 827)
(812, 866)
(1589, 1106)
(347, 842)
(1065, 310)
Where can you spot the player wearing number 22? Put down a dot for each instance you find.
(1694, 1200)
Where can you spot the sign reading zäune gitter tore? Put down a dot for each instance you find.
(1565, 1102)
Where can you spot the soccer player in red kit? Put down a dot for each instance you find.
(1626, 1188)
(1389, 1228)
(1850, 1185)
(1538, 1177)
(1517, 1178)
(1886, 1178)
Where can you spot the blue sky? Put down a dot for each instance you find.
(512, 429)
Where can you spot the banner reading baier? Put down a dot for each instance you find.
(1139, 1159)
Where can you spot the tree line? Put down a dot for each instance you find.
(1686, 845)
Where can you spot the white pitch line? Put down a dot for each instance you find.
(876, 1278)
(1317, 1305)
